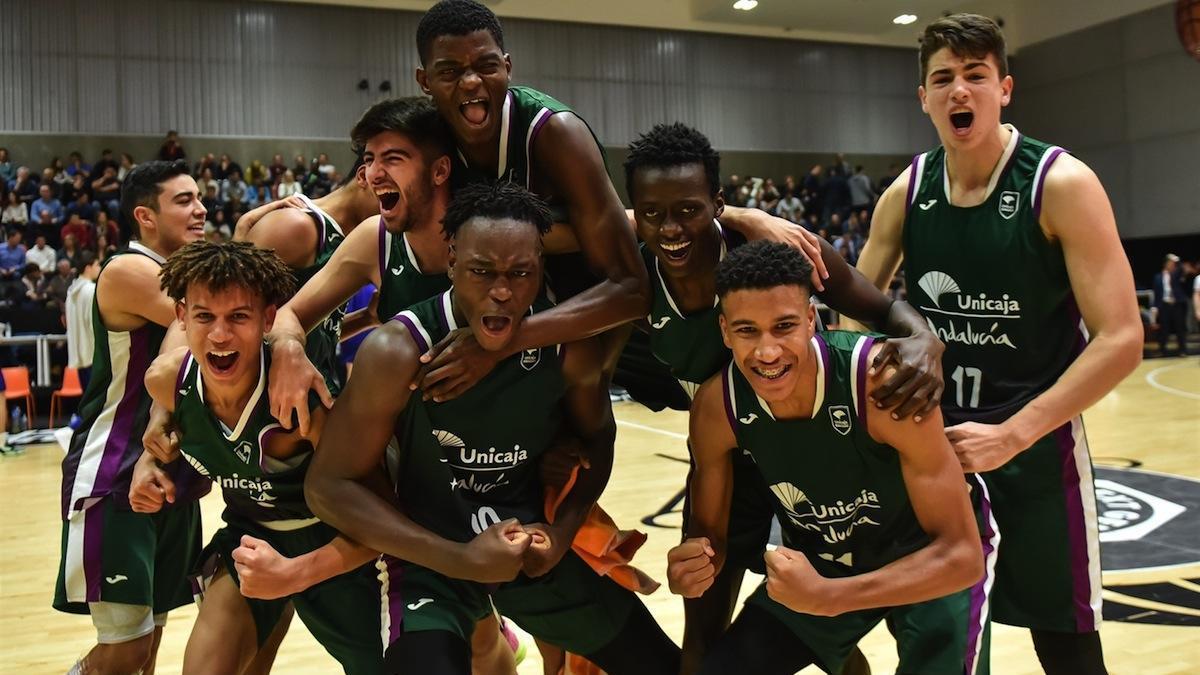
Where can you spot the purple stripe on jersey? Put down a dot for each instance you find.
(1076, 530)
(93, 551)
(913, 178)
(383, 252)
(412, 330)
(123, 422)
(727, 392)
(1037, 189)
(395, 599)
(979, 592)
(860, 382)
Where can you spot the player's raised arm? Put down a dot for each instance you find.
(884, 249)
(567, 152)
(349, 460)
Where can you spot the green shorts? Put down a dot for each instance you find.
(1048, 571)
(342, 613)
(571, 606)
(946, 636)
(111, 554)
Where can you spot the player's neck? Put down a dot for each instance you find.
(799, 404)
(484, 155)
(227, 400)
(427, 242)
(972, 168)
(155, 244)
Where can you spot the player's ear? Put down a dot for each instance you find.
(812, 318)
(360, 177)
(921, 96)
(441, 170)
(269, 317)
(724, 329)
(422, 80)
(1006, 87)
(181, 313)
(719, 202)
(451, 260)
(508, 64)
(145, 217)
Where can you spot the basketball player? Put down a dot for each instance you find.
(306, 239)
(467, 476)
(1011, 252)
(672, 176)
(129, 569)
(874, 512)
(517, 134)
(272, 550)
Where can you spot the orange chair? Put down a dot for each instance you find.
(16, 385)
(71, 388)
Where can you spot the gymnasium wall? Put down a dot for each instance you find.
(1125, 98)
(268, 70)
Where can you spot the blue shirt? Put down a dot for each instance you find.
(53, 206)
(12, 258)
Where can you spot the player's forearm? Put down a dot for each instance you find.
(606, 305)
(362, 515)
(1107, 360)
(904, 321)
(335, 558)
(589, 484)
(288, 326)
(942, 567)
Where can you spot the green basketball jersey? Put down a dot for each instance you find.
(524, 114)
(255, 485)
(990, 284)
(839, 494)
(114, 411)
(402, 283)
(691, 346)
(322, 341)
(468, 463)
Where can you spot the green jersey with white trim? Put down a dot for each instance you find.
(402, 283)
(254, 485)
(839, 494)
(990, 284)
(473, 461)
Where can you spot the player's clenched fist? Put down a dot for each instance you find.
(690, 569)
(496, 554)
(793, 582)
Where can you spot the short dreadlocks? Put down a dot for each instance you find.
(456, 17)
(671, 145)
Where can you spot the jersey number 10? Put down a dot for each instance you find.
(976, 377)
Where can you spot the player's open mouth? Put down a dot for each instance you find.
(962, 121)
(475, 111)
(196, 228)
(495, 326)
(387, 200)
(222, 362)
(771, 373)
(676, 251)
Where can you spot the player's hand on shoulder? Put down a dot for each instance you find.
(292, 376)
(547, 546)
(793, 582)
(150, 488)
(907, 376)
(263, 572)
(690, 569)
(453, 365)
(497, 554)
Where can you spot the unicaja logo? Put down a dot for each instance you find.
(935, 284)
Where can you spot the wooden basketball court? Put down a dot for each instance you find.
(1151, 422)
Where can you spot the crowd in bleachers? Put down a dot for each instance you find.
(835, 202)
(52, 217)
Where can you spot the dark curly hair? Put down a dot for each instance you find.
(668, 145)
(497, 201)
(218, 266)
(760, 265)
(456, 17)
(143, 184)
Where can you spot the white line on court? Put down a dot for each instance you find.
(1152, 378)
(653, 430)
